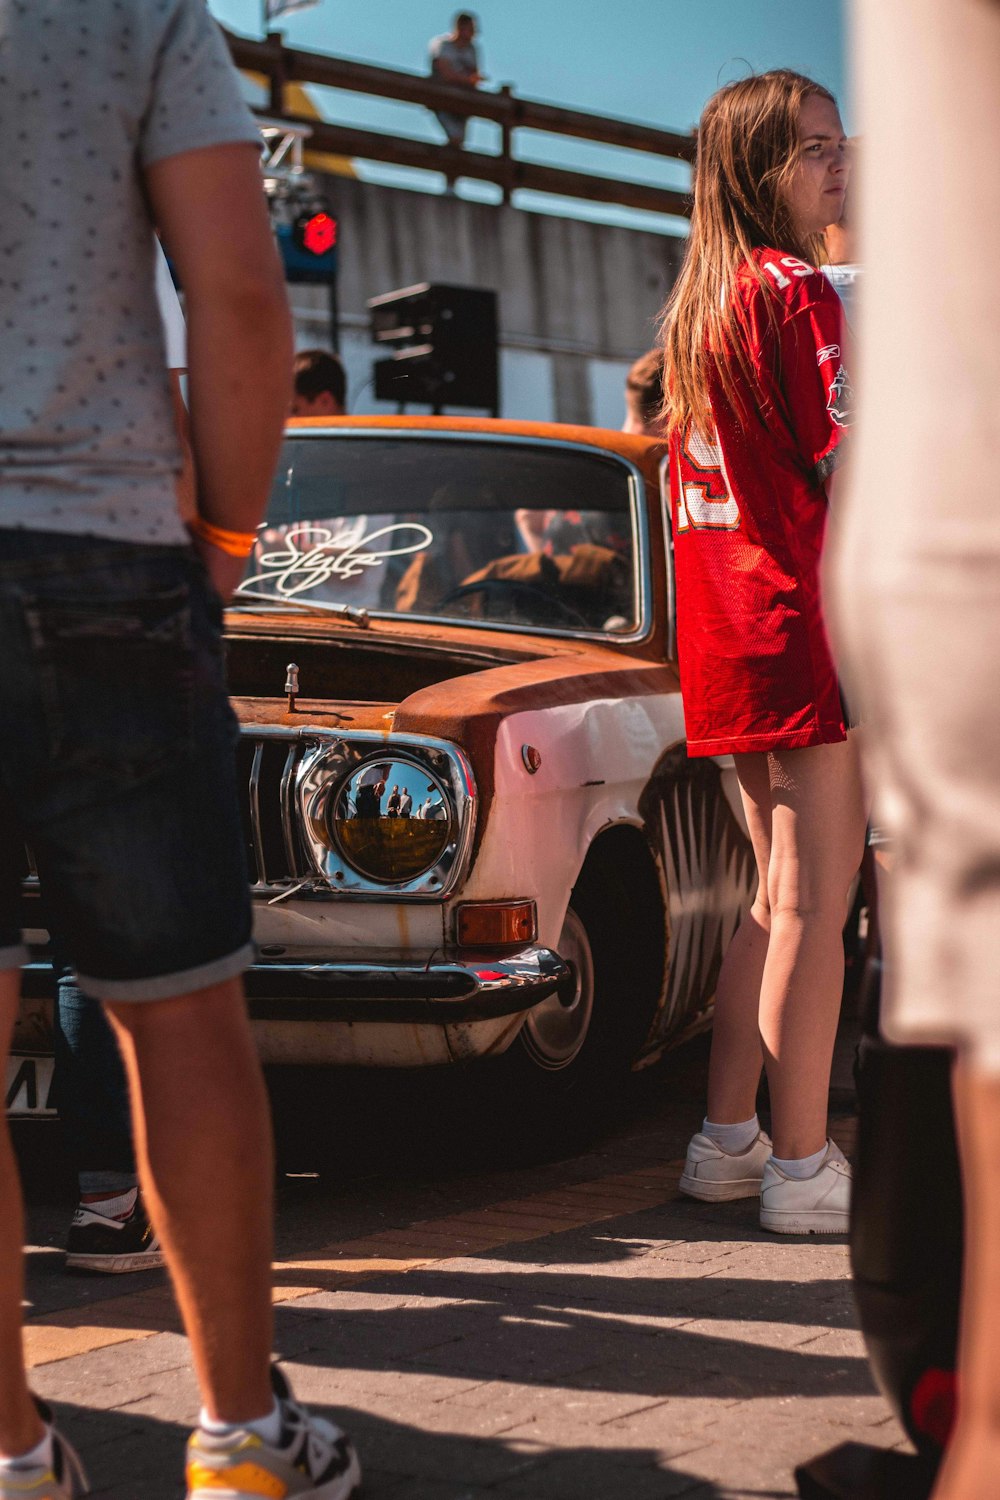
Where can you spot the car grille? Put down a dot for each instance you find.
(266, 778)
(265, 770)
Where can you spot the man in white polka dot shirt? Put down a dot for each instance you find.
(119, 117)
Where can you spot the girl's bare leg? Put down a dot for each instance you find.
(818, 817)
(736, 1058)
(783, 973)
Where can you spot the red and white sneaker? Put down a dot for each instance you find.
(112, 1245)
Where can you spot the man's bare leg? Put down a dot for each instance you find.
(20, 1428)
(204, 1149)
(973, 1460)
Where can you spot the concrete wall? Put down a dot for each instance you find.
(577, 300)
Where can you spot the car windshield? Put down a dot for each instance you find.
(505, 533)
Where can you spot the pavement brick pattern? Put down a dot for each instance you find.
(600, 1338)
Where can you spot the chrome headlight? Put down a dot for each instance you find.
(387, 816)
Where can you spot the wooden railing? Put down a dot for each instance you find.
(283, 65)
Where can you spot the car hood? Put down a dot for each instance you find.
(449, 682)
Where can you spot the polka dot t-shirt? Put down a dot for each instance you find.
(91, 93)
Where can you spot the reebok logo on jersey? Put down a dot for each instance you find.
(827, 354)
(840, 399)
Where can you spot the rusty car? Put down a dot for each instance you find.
(471, 826)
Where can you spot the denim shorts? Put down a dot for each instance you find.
(117, 765)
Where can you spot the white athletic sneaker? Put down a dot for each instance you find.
(820, 1204)
(63, 1479)
(717, 1176)
(312, 1460)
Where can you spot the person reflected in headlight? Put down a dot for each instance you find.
(371, 790)
(432, 808)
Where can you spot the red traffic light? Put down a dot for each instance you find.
(317, 233)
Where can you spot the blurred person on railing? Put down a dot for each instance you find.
(455, 59)
(917, 595)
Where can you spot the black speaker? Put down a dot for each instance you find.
(444, 342)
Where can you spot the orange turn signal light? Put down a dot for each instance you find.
(496, 924)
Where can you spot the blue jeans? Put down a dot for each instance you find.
(91, 1093)
(117, 765)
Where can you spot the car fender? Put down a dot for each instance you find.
(596, 759)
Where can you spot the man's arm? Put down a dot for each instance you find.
(175, 335)
(447, 74)
(210, 209)
(187, 485)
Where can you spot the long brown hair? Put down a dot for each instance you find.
(748, 146)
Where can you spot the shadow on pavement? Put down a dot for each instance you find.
(128, 1454)
(547, 1344)
(447, 1121)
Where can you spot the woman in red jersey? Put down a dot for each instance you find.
(758, 403)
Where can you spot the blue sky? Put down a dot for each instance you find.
(651, 60)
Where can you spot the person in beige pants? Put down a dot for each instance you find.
(916, 584)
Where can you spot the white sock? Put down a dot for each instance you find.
(801, 1166)
(268, 1428)
(733, 1139)
(40, 1456)
(117, 1206)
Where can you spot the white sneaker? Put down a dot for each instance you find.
(312, 1460)
(820, 1204)
(717, 1176)
(63, 1479)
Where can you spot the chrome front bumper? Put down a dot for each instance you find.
(441, 993)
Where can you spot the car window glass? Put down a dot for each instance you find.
(505, 533)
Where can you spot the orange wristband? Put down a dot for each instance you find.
(236, 543)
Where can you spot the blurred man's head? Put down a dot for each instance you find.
(841, 239)
(644, 395)
(465, 26)
(320, 385)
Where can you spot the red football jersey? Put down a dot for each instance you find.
(749, 515)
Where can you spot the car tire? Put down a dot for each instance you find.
(566, 1066)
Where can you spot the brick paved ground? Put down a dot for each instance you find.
(571, 1330)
